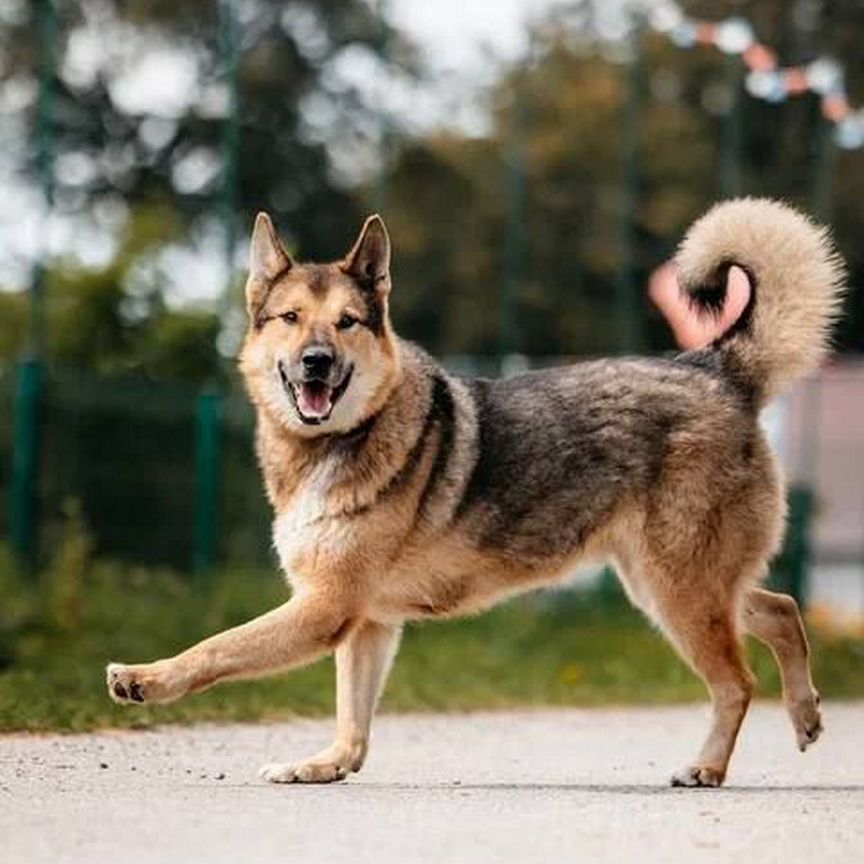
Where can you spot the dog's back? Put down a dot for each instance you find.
(561, 452)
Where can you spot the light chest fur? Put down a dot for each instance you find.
(306, 530)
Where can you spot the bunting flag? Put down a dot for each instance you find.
(766, 79)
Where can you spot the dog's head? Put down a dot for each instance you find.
(319, 355)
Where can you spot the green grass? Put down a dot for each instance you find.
(58, 631)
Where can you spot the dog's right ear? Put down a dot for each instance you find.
(369, 258)
(267, 260)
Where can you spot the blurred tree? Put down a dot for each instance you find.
(141, 101)
(448, 194)
(448, 197)
(785, 151)
(139, 112)
(111, 321)
(447, 200)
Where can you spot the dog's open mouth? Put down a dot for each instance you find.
(314, 400)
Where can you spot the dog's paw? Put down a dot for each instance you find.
(334, 763)
(806, 719)
(123, 684)
(304, 772)
(698, 775)
(142, 684)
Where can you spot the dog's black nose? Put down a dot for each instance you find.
(317, 360)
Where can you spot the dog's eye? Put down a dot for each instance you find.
(346, 321)
(289, 317)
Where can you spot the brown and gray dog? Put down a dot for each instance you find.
(401, 492)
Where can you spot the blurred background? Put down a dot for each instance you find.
(535, 162)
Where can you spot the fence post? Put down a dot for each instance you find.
(385, 127)
(229, 51)
(43, 144)
(796, 553)
(824, 169)
(25, 459)
(208, 429)
(514, 245)
(730, 153)
(626, 296)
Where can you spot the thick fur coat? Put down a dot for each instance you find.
(403, 492)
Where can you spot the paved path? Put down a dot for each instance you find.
(539, 786)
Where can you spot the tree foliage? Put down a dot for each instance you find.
(535, 205)
(561, 114)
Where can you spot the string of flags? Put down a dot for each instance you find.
(766, 79)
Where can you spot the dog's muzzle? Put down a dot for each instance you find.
(313, 396)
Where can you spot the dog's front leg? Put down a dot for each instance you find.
(363, 660)
(295, 633)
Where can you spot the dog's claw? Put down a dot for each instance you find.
(807, 720)
(698, 776)
(122, 687)
(135, 693)
(125, 684)
(810, 735)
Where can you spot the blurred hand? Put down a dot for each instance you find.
(695, 328)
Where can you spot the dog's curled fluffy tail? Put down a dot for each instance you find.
(796, 279)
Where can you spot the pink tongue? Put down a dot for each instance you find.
(314, 399)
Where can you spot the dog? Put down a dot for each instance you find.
(402, 492)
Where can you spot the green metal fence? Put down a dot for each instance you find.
(163, 474)
(6, 390)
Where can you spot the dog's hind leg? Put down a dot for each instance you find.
(701, 625)
(775, 620)
(363, 660)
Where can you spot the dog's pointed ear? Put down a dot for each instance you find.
(369, 258)
(267, 259)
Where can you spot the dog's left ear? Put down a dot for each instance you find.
(369, 259)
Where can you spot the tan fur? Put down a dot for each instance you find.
(798, 277)
(425, 496)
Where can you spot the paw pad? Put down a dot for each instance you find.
(122, 685)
